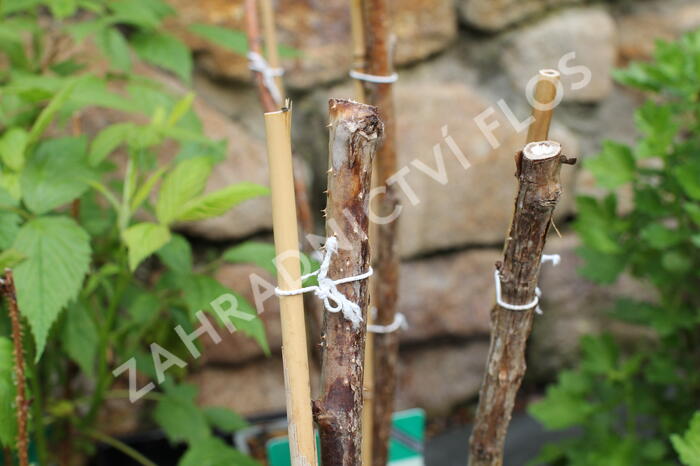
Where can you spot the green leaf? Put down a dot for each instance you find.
(80, 337)
(614, 166)
(688, 445)
(180, 109)
(693, 211)
(108, 140)
(9, 220)
(179, 416)
(253, 252)
(600, 267)
(165, 51)
(220, 202)
(145, 189)
(139, 13)
(9, 258)
(185, 182)
(688, 176)
(214, 452)
(10, 183)
(143, 239)
(58, 256)
(62, 9)
(655, 121)
(8, 391)
(600, 354)
(676, 261)
(115, 47)
(56, 173)
(562, 407)
(177, 254)
(12, 146)
(224, 419)
(49, 112)
(660, 237)
(230, 39)
(200, 290)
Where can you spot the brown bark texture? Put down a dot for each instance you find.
(21, 405)
(538, 193)
(379, 62)
(355, 130)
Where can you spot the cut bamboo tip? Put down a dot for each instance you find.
(544, 101)
(541, 150)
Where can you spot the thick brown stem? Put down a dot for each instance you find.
(386, 260)
(537, 170)
(10, 293)
(355, 130)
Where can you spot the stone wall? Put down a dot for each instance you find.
(457, 60)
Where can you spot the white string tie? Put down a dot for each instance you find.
(256, 62)
(373, 78)
(399, 322)
(327, 291)
(555, 259)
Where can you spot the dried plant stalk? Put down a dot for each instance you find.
(355, 130)
(537, 171)
(294, 347)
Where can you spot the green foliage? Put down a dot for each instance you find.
(80, 214)
(630, 402)
(688, 445)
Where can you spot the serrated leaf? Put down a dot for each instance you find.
(224, 419)
(180, 418)
(614, 166)
(230, 39)
(108, 140)
(253, 252)
(55, 174)
(12, 146)
(143, 239)
(688, 445)
(115, 47)
(601, 267)
(58, 256)
(177, 254)
(80, 337)
(181, 185)
(8, 391)
(165, 51)
(214, 452)
(561, 408)
(220, 202)
(600, 354)
(200, 290)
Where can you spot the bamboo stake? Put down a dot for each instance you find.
(255, 45)
(22, 405)
(358, 44)
(545, 96)
(271, 46)
(294, 350)
(355, 130)
(537, 171)
(378, 61)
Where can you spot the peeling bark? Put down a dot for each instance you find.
(355, 130)
(538, 193)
